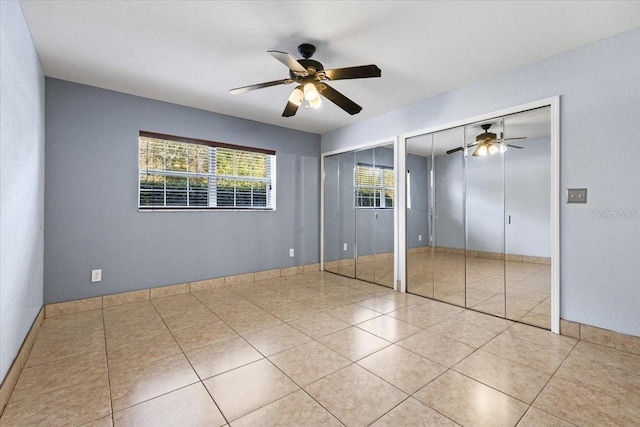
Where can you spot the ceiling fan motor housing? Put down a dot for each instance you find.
(486, 137)
(306, 50)
(311, 65)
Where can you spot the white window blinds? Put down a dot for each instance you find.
(177, 172)
(374, 186)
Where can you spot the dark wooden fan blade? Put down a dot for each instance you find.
(515, 146)
(290, 62)
(290, 110)
(361, 72)
(339, 99)
(455, 150)
(245, 89)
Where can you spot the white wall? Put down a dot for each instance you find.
(600, 148)
(21, 182)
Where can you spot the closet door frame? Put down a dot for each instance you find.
(401, 151)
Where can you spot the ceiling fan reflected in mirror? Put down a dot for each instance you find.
(311, 78)
(488, 143)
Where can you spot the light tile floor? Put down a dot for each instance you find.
(315, 349)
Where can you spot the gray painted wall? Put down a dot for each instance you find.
(331, 207)
(92, 219)
(600, 106)
(526, 192)
(527, 195)
(449, 221)
(347, 214)
(484, 203)
(21, 182)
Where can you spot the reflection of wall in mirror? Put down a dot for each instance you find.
(527, 201)
(418, 215)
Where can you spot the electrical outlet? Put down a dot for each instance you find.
(96, 276)
(344, 247)
(291, 252)
(420, 237)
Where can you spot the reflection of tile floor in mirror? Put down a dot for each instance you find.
(370, 268)
(528, 285)
(315, 349)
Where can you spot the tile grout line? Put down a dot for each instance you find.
(549, 380)
(275, 366)
(355, 362)
(106, 356)
(188, 361)
(316, 340)
(221, 373)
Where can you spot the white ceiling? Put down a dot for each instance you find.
(192, 52)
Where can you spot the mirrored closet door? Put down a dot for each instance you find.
(359, 194)
(339, 215)
(480, 194)
(528, 217)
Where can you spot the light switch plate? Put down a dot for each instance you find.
(576, 195)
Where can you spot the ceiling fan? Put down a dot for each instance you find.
(488, 143)
(311, 78)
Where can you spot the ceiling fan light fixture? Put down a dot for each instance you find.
(493, 149)
(315, 102)
(297, 96)
(481, 151)
(310, 92)
(503, 148)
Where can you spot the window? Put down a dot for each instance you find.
(186, 173)
(374, 186)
